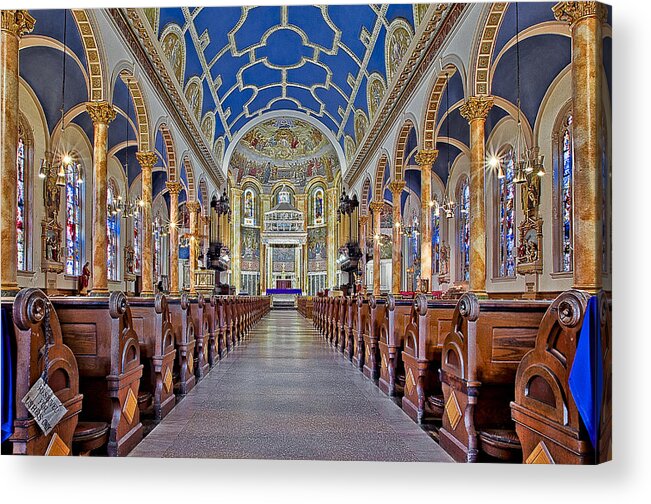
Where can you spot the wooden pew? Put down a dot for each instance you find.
(480, 357)
(35, 325)
(349, 336)
(425, 335)
(153, 325)
(377, 312)
(546, 418)
(213, 320)
(390, 343)
(201, 322)
(100, 332)
(340, 331)
(222, 335)
(184, 331)
(358, 330)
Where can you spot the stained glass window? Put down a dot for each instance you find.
(463, 233)
(112, 232)
(20, 208)
(157, 247)
(436, 240)
(506, 194)
(73, 220)
(136, 240)
(566, 199)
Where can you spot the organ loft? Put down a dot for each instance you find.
(263, 232)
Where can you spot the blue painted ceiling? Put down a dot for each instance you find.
(255, 59)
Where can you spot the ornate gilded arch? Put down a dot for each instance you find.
(140, 109)
(379, 177)
(486, 46)
(93, 55)
(171, 153)
(401, 145)
(189, 172)
(429, 123)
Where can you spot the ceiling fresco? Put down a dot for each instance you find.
(284, 148)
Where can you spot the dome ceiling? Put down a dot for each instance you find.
(333, 62)
(284, 149)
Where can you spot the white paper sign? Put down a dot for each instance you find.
(44, 406)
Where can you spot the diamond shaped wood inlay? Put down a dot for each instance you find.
(453, 411)
(540, 455)
(130, 405)
(167, 381)
(57, 447)
(410, 383)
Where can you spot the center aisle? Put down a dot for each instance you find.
(285, 395)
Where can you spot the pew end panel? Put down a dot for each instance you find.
(391, 343)
(184, 337)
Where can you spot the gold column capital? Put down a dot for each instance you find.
(100, 112)
(571, 12)
(426, 157)
(363, 219)
(236, 192)
(17, 22)
(476, 107)
(147, 159)
(396, 187)
(376, 206)
(193, 206)
(174, 187)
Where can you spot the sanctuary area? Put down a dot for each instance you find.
(334, 232)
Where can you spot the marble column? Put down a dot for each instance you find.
(376, 207)
(174, 188)
(15, 24)
(236, 249)
(586, 20)
(396, 187)
(425, 159)
(101, 113)
(263, 268)
(331, 237)
(475, 111)
(147, 161)
(363, 222)
(194, 207)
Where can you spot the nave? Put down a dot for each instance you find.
(285, 395)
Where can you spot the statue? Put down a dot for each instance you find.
(530, 196)
(445, 260)
(84, 278)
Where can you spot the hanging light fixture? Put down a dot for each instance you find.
(448, 205)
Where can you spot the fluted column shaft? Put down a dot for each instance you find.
(194, 208)
(101, 113)
(174, 188)
(331, 236)
(15, 23)
(475, 111)
(147, 161)
(236, 251)
(586, 21)
(376, 207)
(425, 159)
(396, 187)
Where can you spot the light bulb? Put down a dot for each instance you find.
(493, 161)
(67, 160)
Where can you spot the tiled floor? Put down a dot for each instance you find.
(285, 395)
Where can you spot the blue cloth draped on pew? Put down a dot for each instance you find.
(283, 291)
(587, 373)
(8, 364)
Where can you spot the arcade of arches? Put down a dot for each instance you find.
(402, 175)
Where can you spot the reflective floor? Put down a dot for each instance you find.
(284, 394)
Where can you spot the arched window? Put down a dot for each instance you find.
(112, 231)
(73, 219)
(436, 237)
(463, 230)
(137, 236)
(318, 208)
(249, 207)
(564, 166)
(21, 218)
(506, 209)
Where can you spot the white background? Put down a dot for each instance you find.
(625, 480)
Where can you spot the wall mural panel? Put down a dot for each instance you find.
(250, 249)
(284, 148)
(316, 249)
(284, 258)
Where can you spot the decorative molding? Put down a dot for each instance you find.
(146, 159)
(476, 107)
(572, 12)
(17, 22)
(429, 133)
(426, 157)
(487, 46)
(100, 112)
(92, 49)
(401, 145)
(396, 187)
(441, 23)
(140, 108)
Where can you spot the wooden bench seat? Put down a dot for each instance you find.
(479, 361)
(201, 322)
(35, 324)
(546, 417)
(101, 334)
(390, 345)
(377, 312)
(152, 322)
(424, 338)
(362, 314)
(184, 341)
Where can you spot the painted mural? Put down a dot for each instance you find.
(250, 249)
(284, 258)
(316, 249)
(284, 148)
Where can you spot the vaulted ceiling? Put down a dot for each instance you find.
(332, 62)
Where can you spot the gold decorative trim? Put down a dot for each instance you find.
(57, 447)
(476, 107)
(487, 46)
(17, 22)
(130, 405)
(426, 157)
(540, 455)
(146, 159)
(452, 410)
(140, 108)
(396, 187)
(91, 48)
(100, 112)
(401, 145)
(429, 141)
(572, 12)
